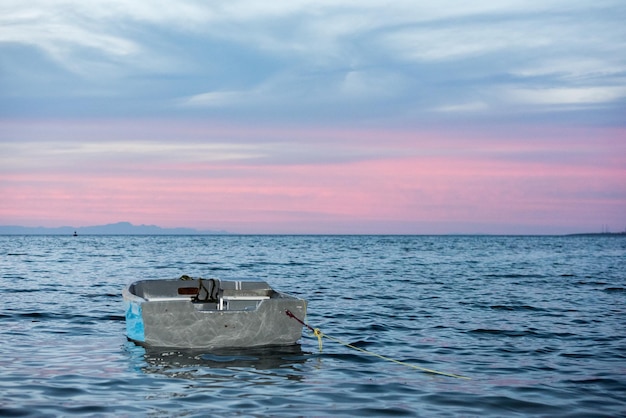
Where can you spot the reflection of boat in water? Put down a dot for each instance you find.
(210, 313)
(195, 364)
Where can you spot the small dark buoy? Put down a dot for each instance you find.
(75, 234)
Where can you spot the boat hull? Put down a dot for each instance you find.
(185, 323)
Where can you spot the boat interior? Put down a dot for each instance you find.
(205, 294)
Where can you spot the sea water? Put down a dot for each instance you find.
(537, 324)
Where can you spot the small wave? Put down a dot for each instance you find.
(257, 264)
(592, 283)
(515, 276)
(298, 263)
(515, 308)
(373, 327)
(615, 289)
(546, 350)
(520, 333)
(351, 357)
(112, 318)
(361, 343)
(577, 355)
(502, 405)
(54, 316)
(101, 296)
(608, 383)
(19, 290)
(498, 332)
(31, 315)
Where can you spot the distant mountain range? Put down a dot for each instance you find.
(120, 228)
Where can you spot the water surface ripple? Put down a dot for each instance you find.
(538, 323)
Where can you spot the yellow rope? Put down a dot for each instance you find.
(319, 336)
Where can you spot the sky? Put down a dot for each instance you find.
(315, 117)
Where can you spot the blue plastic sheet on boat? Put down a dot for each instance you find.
(134, 322)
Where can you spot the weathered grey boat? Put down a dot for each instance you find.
(210, 313)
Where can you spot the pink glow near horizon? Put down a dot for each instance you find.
(395, 178)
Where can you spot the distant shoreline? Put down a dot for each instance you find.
(597, 234)
(128, 229)
(119, 228)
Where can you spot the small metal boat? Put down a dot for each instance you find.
(210, 313)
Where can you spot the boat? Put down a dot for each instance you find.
(197, 313)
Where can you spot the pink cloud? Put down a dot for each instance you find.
(400, 180)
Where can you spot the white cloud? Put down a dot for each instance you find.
(454, 43)
(28, 155)
(565, 96)
(216, 99)
(574, 67)
(468, 107)
(351, 86)
(99, 23)
(74, 46)
(414, 30)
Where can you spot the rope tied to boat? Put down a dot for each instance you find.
(316, 331)
(319, 334)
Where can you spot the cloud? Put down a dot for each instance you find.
(350, 87)
(62, 35)
(301, 60)
(124, 156)
(217, 99)
(566, 96)
(273, 179)
(464, 107)
(574, 68)
(455, 42)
